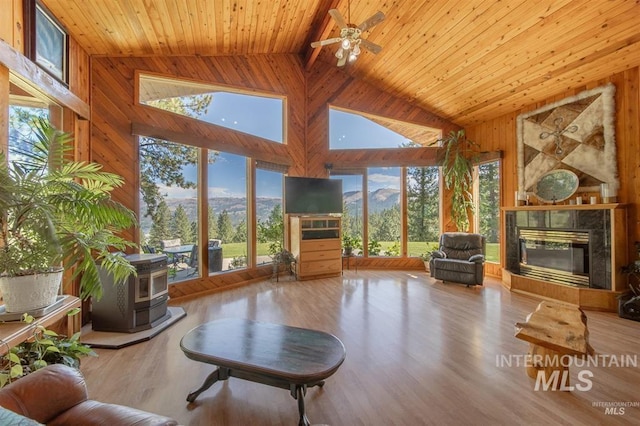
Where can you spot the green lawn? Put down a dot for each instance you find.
(231, 250)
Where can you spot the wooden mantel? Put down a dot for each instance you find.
(587, 298)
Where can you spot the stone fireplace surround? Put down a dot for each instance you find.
(606, 227)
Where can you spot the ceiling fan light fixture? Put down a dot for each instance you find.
(356, 48)
(346, 44)
(340, 53)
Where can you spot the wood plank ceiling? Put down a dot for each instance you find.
(466, 60)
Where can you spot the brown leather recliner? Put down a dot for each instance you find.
(57, 395)
(460, 258)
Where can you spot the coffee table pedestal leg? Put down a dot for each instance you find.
(218, 374)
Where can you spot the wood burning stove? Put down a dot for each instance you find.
(138, 304)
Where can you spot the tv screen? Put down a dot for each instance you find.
(312, 195)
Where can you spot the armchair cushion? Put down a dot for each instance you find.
(477, 258)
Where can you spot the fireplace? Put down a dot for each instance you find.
(139, 304)
(560, 256)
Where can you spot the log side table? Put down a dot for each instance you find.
(553, 331)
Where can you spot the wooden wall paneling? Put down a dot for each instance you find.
(4, 108)
(79, 72)
(11, 24)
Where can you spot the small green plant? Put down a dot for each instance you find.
(43, 348)
(284, 258)
(374, 247)
(350, 242)
(394, 250)
(430, 248)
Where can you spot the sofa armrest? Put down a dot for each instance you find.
(46, 393)
(99, 413)
(477, 258)
(438, 254)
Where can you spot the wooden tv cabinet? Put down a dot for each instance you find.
(316, 244)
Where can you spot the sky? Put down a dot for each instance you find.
(263, 116)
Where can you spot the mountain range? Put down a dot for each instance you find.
(379, 200)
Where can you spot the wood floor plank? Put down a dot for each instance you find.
(418, 352)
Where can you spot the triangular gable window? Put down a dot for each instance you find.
(258, 115)
(357, 130)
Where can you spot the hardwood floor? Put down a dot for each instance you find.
(418, 352)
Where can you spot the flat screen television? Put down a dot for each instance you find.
(312, 195)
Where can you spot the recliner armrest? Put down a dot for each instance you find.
(477, 258)
(438, 254)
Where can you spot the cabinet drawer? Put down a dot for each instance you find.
(320, 267)
(319, 255)
(319, 245)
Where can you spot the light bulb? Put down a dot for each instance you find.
(352, 57)
(339, 53)
(346, 44)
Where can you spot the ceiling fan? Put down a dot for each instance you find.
(350, 41)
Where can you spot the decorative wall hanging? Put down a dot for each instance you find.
(575, 134)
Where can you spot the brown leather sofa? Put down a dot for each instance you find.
(57, 395)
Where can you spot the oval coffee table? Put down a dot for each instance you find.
(276, 355)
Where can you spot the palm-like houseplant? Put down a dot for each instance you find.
(58, 213)
(457, 171)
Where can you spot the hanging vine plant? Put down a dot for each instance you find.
(457, 172)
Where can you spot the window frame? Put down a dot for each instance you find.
(31, 36)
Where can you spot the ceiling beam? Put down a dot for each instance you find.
(321, 28)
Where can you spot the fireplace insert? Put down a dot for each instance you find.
(561, 256)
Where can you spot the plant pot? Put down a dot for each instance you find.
(348, 251)
(426, 265)
(30, 292)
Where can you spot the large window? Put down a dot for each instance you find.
(352, 209)
(488, 207)
(384, 217)
(423, 210)
(269, 216)
(169, 204)
(227, 195)
(169, 179)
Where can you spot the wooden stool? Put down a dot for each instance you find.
(554, 330)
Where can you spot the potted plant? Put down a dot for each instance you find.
(457, 172)
(349, 243)
(55, 214)
(426, 257)
(43, 348)
(283, 259)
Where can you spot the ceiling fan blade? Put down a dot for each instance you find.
(325, 42)
(337, 16)
(371, 47)
(374, 20)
